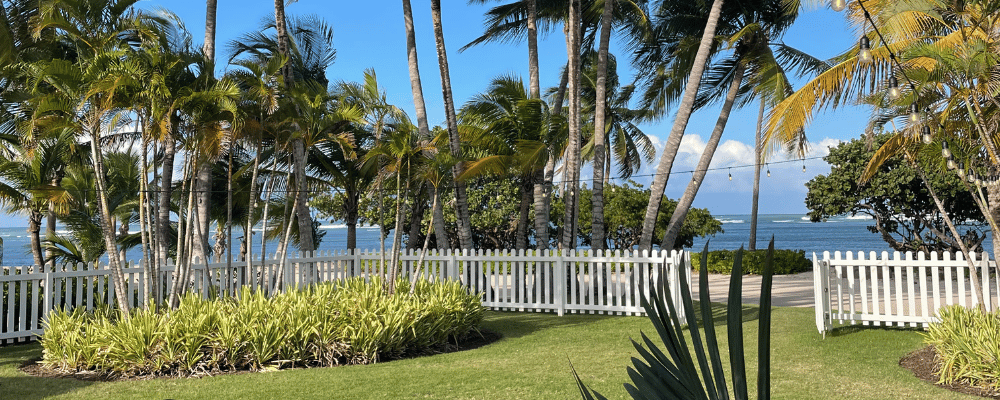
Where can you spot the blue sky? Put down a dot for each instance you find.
(370, 34)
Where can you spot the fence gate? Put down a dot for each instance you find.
(899, 290)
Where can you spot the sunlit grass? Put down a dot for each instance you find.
(532, 361)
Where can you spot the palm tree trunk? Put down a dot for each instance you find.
(351, 198)
(416, 220)
(210, 18)
(427, 238)
(306, 241)
(597, 225)
(534, 87)
(202, 193)
(411, 55)
(397, 233)
(677, 220)
(571, 166)
(163, 209)
(248, 232)
(757, 150)
(107, 227)
(543, 189)
(440, 234)
(34, 227)
(524, 208)
(461, 198)
(677, 131)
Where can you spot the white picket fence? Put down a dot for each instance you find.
(900, 291)
(543, 281)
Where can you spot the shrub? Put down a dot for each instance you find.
(785, 261)
(347, 322)
(968, 346)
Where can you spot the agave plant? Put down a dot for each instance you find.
(671, 372)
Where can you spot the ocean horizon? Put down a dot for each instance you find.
(790, 231)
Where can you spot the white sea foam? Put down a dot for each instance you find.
(732, 221)
(784, 221)
(339, 226)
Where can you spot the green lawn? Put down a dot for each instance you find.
(532, 361)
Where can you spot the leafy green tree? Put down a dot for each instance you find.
(903, 212)
(625, 205)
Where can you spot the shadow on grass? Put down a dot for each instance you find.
(16, 384)
(845, 330)
(518, 324)
(751, 312)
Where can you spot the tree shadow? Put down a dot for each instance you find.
(719, 317)
(20, 385)
(845, 330)
(519, 324)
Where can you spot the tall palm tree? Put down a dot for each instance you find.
(597, 198)
(461, 198)
(749, 34)
(684, 111)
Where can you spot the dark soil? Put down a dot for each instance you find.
(473, 340)
(924, 365)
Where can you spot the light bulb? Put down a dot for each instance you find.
(768, 172)
(730, 176)
(945, 151)
(914, 113)
(864, 50)
(803, 168)
(951, 163)
(838, 5)
(893, 88)
(925, 135)
(961, 169)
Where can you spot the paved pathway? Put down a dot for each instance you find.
(786, 291)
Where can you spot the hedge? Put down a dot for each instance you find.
(785, 261)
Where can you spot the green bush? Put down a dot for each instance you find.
(785, 261)
(968, 346)
(348, 322)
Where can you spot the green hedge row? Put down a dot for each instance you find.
(785, 261)
(349, 322)
(968, 346)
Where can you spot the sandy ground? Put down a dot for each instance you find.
(786, 290)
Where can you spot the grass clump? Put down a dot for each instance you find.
(347, 322)
(967, 342)
(785, 261)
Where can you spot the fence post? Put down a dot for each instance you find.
(453, 265)
(560, 284)
(47, 292)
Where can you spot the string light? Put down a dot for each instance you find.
(768, 171)
(945, 151)
(838, 5)
(961, 168)
(951, 163)
(893, 88)
(730, 174)
(864, 50)
(914, 113)
(926, 135)
(803, 165)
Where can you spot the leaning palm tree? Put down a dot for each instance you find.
(686, 107)
(461, 198)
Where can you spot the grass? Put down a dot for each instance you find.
(532, 361)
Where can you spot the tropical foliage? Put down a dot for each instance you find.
(671, 372)
(902, 210)
(349, 322)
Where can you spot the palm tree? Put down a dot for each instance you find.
(508, 128)
(749, 35)
(461, 198)
(680, 122)
(599, 110)
(396, 155)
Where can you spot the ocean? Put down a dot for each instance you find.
(790, 231)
